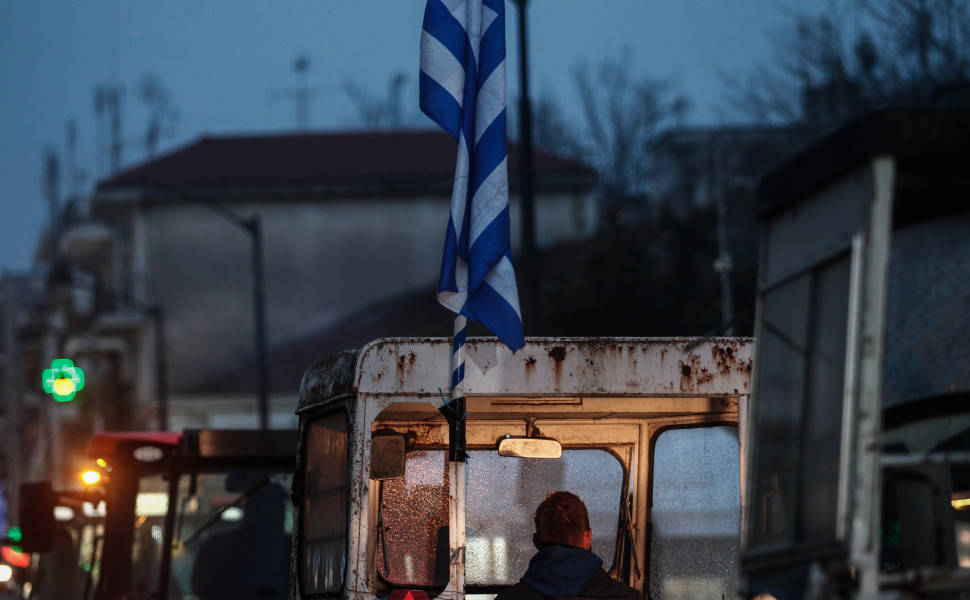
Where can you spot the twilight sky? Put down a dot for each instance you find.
(226, 63)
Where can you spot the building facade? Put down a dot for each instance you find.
(152, 284)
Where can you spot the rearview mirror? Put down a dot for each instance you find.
(530, 447)
(387, 457)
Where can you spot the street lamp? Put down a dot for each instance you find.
(253, 227)
(530, 269)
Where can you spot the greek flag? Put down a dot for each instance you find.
(462, 89)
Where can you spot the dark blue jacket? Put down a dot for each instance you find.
(565, 571)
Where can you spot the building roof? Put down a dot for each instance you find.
(333, 160)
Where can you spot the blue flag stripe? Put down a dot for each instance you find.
(504, 322)
(443, 109)
(485, 251)
(442, 25)
(489, 61)
(490, 151)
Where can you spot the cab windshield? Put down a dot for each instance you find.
(232, 533)
(502, 494)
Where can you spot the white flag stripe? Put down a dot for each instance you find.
(502, 280)
(442, 66)
(456, 8)
(472, 22)
(456, 300)
(460, 192)
(491, 100)
(488, 17)
(489, 201)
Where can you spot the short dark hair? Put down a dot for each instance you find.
(561, 519)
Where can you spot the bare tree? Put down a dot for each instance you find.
(892, 52)
(623, 114)
(930, 37)
(374, 111)
(552, 129)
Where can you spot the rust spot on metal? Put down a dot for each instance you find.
(404, 363)
(691, 372)
(531, 361)
(558, 353)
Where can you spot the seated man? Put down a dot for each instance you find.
(251, 561)
(564, 565)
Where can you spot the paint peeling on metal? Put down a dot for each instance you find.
(558, 353)
(420, 368)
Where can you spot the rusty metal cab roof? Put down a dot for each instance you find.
(419, 369)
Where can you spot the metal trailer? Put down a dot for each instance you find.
(860, 416)
(648, 435)
(201, 514)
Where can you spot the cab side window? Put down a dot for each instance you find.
(696, 514)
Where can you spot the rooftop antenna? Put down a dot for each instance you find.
(301, 94)
(52, 183)
(107, 101)
(163, 117)
(71, 159)
(394, 99)
(75, 174)
(107, 97)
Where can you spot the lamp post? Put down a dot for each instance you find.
(530, 273)
(253, 228)
(161, 368)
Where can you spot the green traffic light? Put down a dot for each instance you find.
(14, 534)
(63, 380)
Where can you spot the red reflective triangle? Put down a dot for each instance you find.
(408, 595)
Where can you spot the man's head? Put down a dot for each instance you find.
(562, 519)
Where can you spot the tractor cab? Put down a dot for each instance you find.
(401, 491)
(199, 514)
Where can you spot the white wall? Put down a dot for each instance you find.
(323, 260)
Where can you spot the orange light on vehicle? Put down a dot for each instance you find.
(90, 477)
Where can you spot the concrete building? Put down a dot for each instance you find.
(156, 270)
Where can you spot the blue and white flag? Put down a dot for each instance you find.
(463, 90)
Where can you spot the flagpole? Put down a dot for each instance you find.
(456, 459)
(458, 357)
